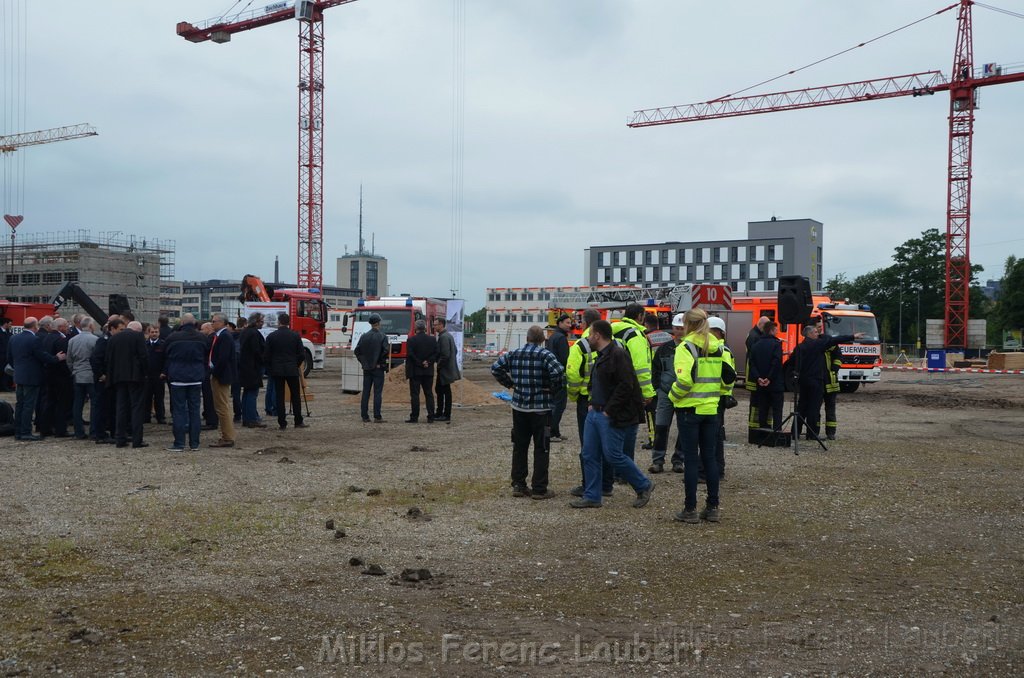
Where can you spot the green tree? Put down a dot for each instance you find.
(476, 322)
(1009, 309)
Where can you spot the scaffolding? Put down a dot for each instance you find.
(51, 247)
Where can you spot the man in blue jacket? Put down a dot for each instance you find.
(28, 358)
(184, 369)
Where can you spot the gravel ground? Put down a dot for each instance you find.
(896, 552)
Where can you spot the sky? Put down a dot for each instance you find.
(197, 142)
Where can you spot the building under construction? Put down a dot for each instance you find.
(37, 266)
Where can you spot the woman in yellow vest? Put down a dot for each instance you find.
(700, 375)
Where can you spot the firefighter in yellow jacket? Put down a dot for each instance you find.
(833, 361)
(577, 376)
(630, 333)
(701, 373)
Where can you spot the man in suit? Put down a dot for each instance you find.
(282, 356)
(126, 370)
(766, 372)
(810, 367)
(106, 411)
(223, 371)
(419, 370)
(59, 389)
(80, 349)
(154, 382)
(26, 355)
(5, 338)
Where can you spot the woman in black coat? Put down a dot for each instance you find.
(250, 369)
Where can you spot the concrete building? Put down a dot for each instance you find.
(37, 267)
(364, 271)
(772, 249)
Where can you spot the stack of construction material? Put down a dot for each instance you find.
(1006, 361)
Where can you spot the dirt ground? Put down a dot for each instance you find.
(896, 552)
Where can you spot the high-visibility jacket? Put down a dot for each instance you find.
(833, 361)
(728, 360)
(699, 375)
(632, 336)
(578, 367)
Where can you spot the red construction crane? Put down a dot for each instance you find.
(310, 16)
(962, 87)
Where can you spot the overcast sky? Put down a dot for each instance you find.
(198, 141)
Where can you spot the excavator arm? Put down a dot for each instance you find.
(75, 293)
(253, 289)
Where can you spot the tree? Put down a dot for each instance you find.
(1009, 309)
(476, 322)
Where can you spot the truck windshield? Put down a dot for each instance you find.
(852, 324)
(391, 322)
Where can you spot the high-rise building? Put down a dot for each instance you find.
(772, 248)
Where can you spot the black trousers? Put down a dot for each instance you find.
(106, 410)
(770, 402)
(293, 387)
(526, 427)
(209, 411)
(57, 406)
(811, 395)
(155, 388)
(444, 399)
(131, 404)
(416, 384)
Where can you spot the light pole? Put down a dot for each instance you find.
(919, 321)
(899, 339)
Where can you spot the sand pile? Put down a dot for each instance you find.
(464, 392)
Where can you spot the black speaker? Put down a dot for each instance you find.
(117, 304)
(795, 299)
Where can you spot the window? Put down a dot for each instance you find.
(602, 276)
(666, 272)
(11, 279)
(739, 253)
(773, 270)
(372, 288)
(718, 272)
(649, 273)
(741, 285)
(606, 259)
(655, 257)
(52, 277)
(617, 275)
(29, 278)
(670, 256)
(687, 256)
(698, 274)
(771, 251)
(737, 271)
(759, 253)
(634, 274)
(757, 286)
(705, 255)
(770, 285)
(354, 275)
(780, 252)
(620, 258)
(638, 257)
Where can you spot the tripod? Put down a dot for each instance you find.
(798, 419)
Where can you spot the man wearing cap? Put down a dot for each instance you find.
(663, 374)
(558, 343)
(372, 351)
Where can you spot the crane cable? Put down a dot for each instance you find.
(1007, 12)
(14, 49)
(840, 53)
(458, 104)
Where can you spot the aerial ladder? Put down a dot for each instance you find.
(962, 85)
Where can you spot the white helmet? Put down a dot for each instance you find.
(679, 320)
(716, 323)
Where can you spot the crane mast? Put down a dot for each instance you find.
(962, 86)
(309, 258)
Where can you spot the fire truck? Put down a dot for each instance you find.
(397, 317)
(307, 310)
(861, 360)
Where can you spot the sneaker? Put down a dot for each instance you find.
(710, 514)
(546, 494)
(656, 468)
(584, 503)
(643, 496)
(556, 439)
(520, 491)
(194, 449)
(172, 448)
(687, 516)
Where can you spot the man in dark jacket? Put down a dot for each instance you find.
(753, 336)
(419, 370)
(106, 401)
(616, 408)
(810, 368)
(223, 371)
(59, 389)
(447, 369)
(662, 376)
(127, 363)
(250, 369)
(558, 343)
(185, 358)
(283, 354)
(372, 350)
(155, 347)
(766, 372)
(25, 353)
(5, 338)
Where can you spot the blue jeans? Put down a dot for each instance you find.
(83, 391)
(560, 400)
(699, 433)
(250, 412)
(24, 408)
(602, 441)
(374, 378)
(270, 401)
(185, 415)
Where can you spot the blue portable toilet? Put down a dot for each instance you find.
(936, 359)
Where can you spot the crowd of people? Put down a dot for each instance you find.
(123, 371)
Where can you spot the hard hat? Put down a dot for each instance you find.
(716, 323)
(679, 320)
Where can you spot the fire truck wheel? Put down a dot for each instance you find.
(308, 366)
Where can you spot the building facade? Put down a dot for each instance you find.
(204, 297)
(38, 266)
(772, 248)
(365, 272)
